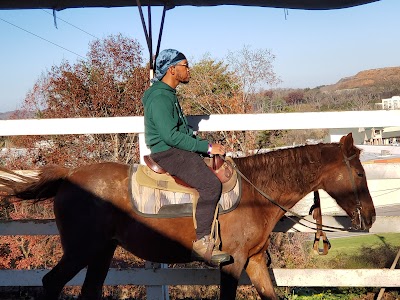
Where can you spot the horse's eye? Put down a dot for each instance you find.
(360, 174)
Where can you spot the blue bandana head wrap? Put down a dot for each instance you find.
(166, 59)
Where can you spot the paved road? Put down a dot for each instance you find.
(389, 210)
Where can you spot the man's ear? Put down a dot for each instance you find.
(171, 70)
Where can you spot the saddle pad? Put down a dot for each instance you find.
(165, 198)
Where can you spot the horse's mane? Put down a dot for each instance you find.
(289, 169)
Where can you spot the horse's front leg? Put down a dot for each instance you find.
(258, 273)
(230, 275)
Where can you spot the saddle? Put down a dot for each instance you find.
(160, 179)
(221, 168)
(158, 194)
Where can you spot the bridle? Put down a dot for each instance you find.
(356, 213)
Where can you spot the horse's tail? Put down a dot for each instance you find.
(41, 187)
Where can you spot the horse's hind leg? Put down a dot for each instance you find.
(55, 280)
(259, 276)
(70, 265)
(97, 272)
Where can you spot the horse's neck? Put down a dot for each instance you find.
(285, 176)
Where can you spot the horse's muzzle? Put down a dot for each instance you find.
(361, 221)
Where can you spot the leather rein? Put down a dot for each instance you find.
(319, 224)
(316, 212)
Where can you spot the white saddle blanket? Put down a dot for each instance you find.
(149, 200)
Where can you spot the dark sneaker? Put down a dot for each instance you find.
(204, 249)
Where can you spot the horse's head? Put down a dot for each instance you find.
(344, 180)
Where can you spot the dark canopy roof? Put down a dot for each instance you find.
(294, 4)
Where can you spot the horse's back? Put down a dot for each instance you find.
(105, 182)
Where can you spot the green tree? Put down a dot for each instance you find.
(213, 89)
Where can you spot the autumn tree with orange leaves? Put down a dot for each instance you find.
(212, 90)
(109, 83)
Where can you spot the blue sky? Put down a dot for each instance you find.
(312, 48)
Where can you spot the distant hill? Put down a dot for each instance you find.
(6, 115)
(368, 78)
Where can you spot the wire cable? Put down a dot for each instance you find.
(58, 18)
(42, 38)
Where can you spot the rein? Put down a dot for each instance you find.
(357, 212)
(284, 208)
(315, 210)
(319, 222)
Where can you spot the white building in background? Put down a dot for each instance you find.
(372, 135)
(387, 135)
(368, 136)
(390, 103)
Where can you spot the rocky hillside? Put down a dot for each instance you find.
(368, 78)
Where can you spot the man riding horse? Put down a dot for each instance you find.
(174, 147)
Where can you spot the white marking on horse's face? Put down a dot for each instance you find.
(339, 177)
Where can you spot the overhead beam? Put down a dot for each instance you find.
(290, 4)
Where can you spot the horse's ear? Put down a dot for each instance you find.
(347, 141)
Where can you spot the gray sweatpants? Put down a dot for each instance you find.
(190, 167)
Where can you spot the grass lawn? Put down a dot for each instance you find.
(353, 245)
(357, 252)
(366, 251)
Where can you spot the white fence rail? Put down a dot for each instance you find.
(161, 276)
(282, 277)
(240, 122)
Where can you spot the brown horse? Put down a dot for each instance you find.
(94, 215)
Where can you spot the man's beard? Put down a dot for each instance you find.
(183, 80)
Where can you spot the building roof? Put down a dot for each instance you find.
(292, 4)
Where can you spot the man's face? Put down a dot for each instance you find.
(182, 71)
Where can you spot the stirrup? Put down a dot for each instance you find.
(204, 250)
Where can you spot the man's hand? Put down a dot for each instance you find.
(217, 149)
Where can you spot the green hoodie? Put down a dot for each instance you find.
(164, 123)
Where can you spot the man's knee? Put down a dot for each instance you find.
(217, 185)
(213, 187)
